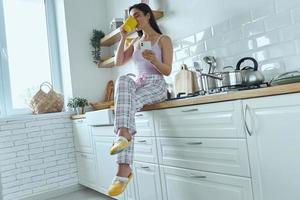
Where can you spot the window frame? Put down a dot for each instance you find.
(6, 107)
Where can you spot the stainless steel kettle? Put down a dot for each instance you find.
(250, 75)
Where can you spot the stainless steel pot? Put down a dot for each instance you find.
(211, 81)
(231, 78)
(250, 75)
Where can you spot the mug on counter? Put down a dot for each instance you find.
(129, 24)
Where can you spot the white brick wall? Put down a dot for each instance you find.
(37, 155)
(270, 34)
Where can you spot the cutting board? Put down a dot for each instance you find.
(184, 80)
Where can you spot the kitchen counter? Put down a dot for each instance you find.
(219, 97)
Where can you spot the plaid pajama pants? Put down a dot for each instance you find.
(130, 96)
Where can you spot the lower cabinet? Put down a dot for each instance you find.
(86, 169)
(106, 164)
(147, 181)
(183, 184)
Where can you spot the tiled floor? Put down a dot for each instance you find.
(85, 194)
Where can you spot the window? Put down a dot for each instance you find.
(29, 52)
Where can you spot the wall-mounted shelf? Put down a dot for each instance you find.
(115, 35)
(107, 63)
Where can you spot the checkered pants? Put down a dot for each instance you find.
(130, 96)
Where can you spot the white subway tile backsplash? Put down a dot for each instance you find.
(290, 33)
(283, 5)
(278, 21)
(263, 11)
(283, 49)
(197, 49)
(176, 45)
(240, 46)
(220, 28)
(188, 41)
(183, 53)
(254, 28)
(261, 55)
(241, 19)
(292, 62)
(266, 39)
(203, 35)
(295, 14)
(214, 42)
(232, 36)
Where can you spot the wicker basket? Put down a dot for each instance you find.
(49, 102)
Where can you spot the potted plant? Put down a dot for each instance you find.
(78, 103)
(95, 41)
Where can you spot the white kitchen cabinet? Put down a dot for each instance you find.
(227, 156)
(145, 149)
(273, 135)
(179, 184)
(82, 136)
(106, 164)
(86, 170)
(144, 124)
(208, 120)
(147, 181)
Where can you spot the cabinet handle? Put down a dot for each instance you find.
(196, 176)
(145, 167)
(245, 117)
(190, 110)
(142, 141)
(194, 143)
(139, 115)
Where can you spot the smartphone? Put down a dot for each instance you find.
(145, 45)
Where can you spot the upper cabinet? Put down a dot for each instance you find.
(113, 38)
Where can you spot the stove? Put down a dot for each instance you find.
(222, 90)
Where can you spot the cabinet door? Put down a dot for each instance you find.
(144, 124)
(106, 164)
(82, 136)
(147, 181)
(209, 120)
(145, 149)
(86, 169)
(228, 156)
(272, 124)
(179, 184)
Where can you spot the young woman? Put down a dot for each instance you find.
(131, 95)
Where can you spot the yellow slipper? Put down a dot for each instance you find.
(119, 145)
(118, 185)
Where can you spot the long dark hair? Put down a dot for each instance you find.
(146, 9)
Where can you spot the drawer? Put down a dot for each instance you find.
(145, 149)
(179, 184)
(209, 120)
(103, 131)
(227, 156)
(144, 124)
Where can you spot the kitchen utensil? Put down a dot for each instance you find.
(250, 75)
(286, 78)
(184, 81)
(211, 60)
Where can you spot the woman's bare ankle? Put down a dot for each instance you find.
(125, 133)
(124, 170)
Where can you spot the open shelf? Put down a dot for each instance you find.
(107, 63)
(115, 35)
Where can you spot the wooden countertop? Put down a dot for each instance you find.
(219, 97)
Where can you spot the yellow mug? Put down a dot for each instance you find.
(129, 24)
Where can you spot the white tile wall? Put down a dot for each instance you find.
(270, 34)
(37, 155)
